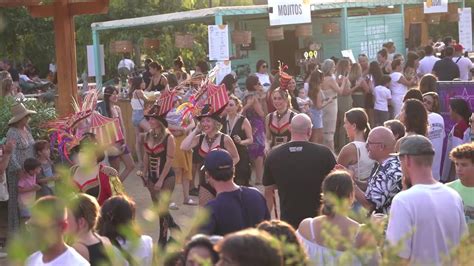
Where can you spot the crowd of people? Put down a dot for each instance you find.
(358, 136)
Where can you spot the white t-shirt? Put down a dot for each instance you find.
(264, 80)
(426, 65)
(142, 252)
(436, 214)
(69, 257)
(396, 87)
(436, 135)
(128, 63)
(464, 65)
(381, 94)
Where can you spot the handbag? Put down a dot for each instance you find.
(4, 196)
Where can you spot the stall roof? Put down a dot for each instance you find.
(207, 15)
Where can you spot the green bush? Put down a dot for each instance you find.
(45, 113)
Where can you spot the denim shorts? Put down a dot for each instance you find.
(316, 117)
(137, 117)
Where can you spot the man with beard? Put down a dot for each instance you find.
(386, 180)
(428, 217)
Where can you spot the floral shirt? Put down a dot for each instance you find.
(384, 184)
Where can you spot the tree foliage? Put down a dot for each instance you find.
(23, 37)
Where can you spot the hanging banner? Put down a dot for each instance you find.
(287, 12)
(224, 68)
(453, 89)
(90, 60)
(218, 38)
(435, 6)
(465, 28)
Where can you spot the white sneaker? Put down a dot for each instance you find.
(3, 255)
(173, 206)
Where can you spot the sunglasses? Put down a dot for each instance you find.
(264, 66)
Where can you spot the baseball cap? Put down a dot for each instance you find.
(458, 47)
(217, 159)
(415, 145)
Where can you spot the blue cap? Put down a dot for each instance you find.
(218, 159)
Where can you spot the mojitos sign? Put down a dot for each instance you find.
(286, 12)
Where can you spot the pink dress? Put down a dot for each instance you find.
(26, 199)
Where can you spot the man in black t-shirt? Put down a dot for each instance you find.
(445, 69)
(235, 208)
(297, 169)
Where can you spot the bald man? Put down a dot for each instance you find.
(297, 170)
(386, 181)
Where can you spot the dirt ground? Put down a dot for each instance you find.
(134, 188)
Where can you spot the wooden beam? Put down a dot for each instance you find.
(65, 42)
(41, 11)
(96, 7)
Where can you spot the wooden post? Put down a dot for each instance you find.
(65, 41)
(63, 12)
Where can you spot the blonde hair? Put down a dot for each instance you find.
(355, 73)
(342, 67)
(87, 207)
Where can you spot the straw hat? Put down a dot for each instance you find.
(19, 111)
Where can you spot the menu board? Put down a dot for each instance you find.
(465, 26)
(218, 38)
(224, 68)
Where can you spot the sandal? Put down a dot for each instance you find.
(190, 201)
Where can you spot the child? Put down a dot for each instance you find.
(304, 102)
(46, 177)
(382, 95)
(27, 186)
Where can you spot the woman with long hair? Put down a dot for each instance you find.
(90, 175)
(262, 74)
(20, 133)
(140, 124)
(239, 129)
(398, 86)
(119, 152)
(254, 109)
(207, 136)
(182, 163)
(83, 213)
(179, 70)
(230, 83)
(315, 111)
(158, 174)
(158, 81)
(428, 83)
(277, 123)
(117, 223)
(374, 79)
(344, 101)
(331, 89)
(460, 112)
(411, 65)
(315, 233)
(415, 117)
(354, 156)
(359, 86)
(384, 62)
(436, 129)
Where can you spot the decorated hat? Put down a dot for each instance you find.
(19, 112)
(163, 105)
(214, 99)
(285, 78)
